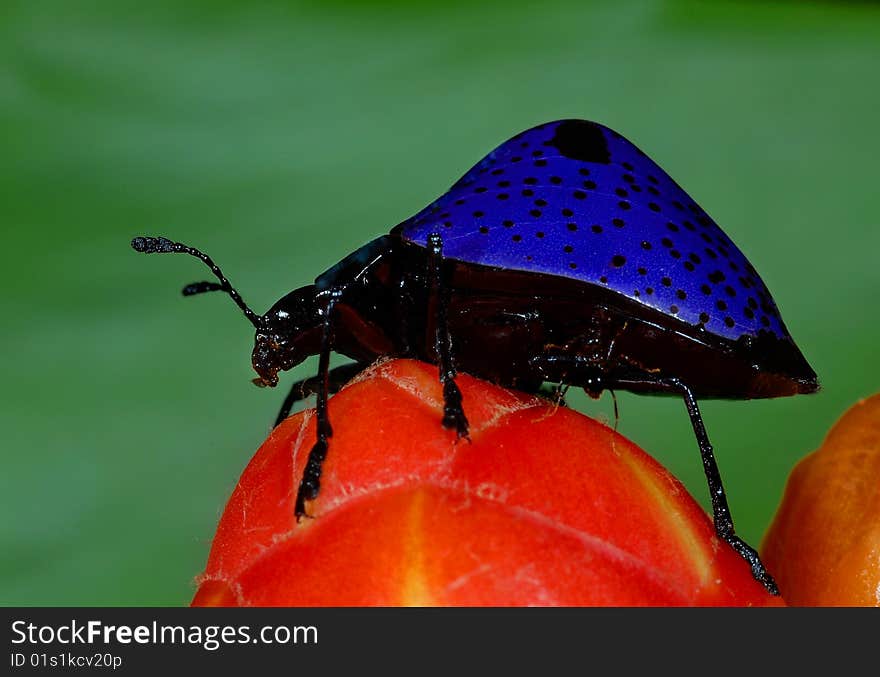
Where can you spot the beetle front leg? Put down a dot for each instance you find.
(453, 412)
(310, 484)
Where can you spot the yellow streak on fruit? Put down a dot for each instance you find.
(415, 589)
(663, 495)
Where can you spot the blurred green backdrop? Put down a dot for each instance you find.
(280, 136)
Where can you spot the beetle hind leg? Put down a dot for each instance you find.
(720, 510)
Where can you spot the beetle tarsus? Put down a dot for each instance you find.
(750, 555)
(310, 485)
(453, 413)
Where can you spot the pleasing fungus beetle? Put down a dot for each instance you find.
(565, 256)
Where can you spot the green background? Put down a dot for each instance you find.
(280, 136)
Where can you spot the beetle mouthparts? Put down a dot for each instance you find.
(269, 381)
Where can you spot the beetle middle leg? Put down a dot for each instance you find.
(310, 484)
(453, 412)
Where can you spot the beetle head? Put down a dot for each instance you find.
(287, 334)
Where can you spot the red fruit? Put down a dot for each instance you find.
(824, 543)
(544, 507)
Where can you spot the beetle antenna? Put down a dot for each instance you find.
(161, 245)
(201, 288)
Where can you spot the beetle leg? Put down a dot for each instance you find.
(453, 413)
(337, 377)
(720, 510)
(310, 484)
(559, 393)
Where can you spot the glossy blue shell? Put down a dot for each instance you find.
(575, 199)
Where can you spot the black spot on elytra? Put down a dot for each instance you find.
(581, 140)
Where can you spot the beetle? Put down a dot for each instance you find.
(565, 256)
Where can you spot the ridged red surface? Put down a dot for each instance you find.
(544, 506)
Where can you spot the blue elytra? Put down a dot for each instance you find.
(576, 199)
